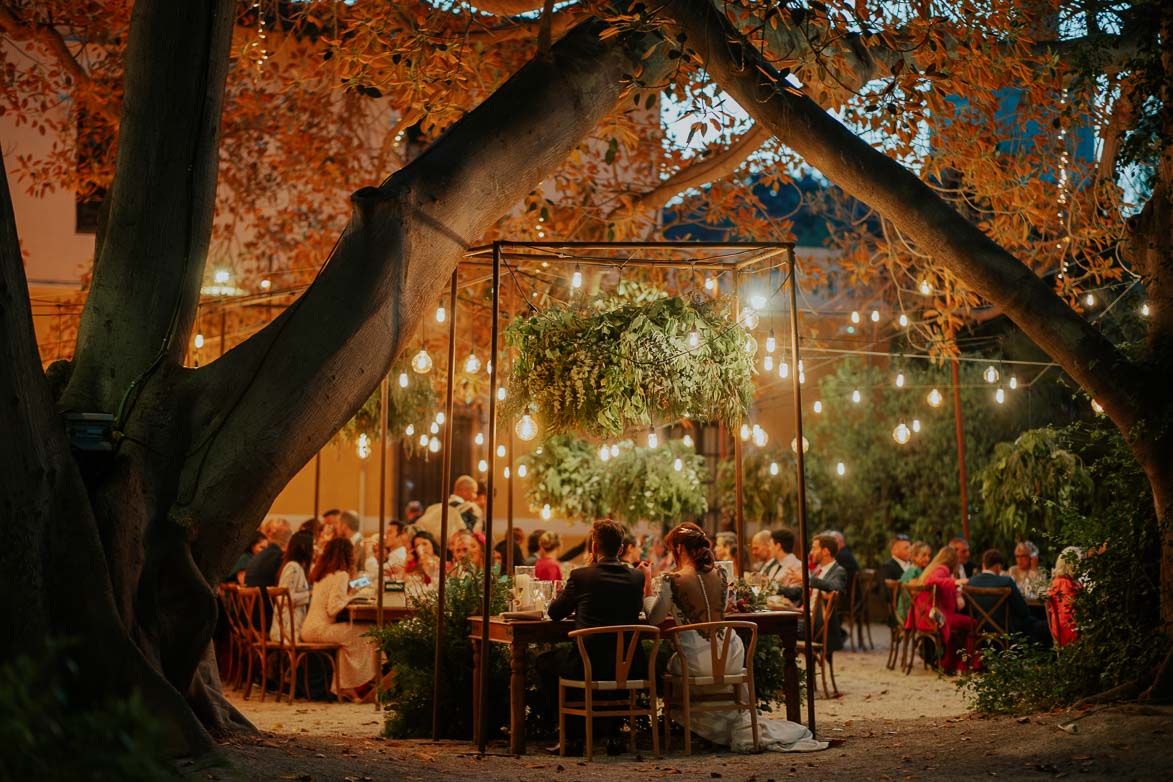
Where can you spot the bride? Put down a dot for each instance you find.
(694, 592)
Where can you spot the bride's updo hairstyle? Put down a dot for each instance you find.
(693, 540)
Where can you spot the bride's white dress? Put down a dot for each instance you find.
(729, 728)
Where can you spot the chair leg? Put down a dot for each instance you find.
(631, 717)
(868, 628)
(831, 665)
(590, 722)
(667, 715)
(561, 720)
(248, 688)
(686, 713)
(264, 655)
(823, 673)
(753, 717)
(655, 720)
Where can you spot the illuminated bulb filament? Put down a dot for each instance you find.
(999, 395)
(403, 380)
(841, 469)
(500, 451)
(818, 406)
(855, 317)
(900, 380)
(501, 394)
(916, 424)
(677, 465)
(744, 433)
(576, 279)
(903, 321)
(546, 512)
(875, 316)
(441, 314)
(199, 341)
(687, 440)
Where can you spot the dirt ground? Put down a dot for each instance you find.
(893, 727)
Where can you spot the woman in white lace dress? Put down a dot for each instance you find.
(694, 592)
(331, 577)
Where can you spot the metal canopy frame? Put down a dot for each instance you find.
(722, 257)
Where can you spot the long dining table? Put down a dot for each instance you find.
(521, 634)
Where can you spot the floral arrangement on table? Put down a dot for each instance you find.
(746, 599)
(619, 363)
(639, 484)
(415, 405)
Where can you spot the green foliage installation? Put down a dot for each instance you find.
(621, 364)
(416, 404)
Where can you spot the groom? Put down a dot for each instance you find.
(604, 593)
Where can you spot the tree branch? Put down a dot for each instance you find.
(147, 278)
(901, 197)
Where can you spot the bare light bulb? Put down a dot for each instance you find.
(434, 428)
(421, 362)
(1013, 382)
(1000, 395)
(773, 468)
(901, 434)
(818, 406)
(500, 451)
(506, 473)
(440, 417)
(403, 380)
(925, 288)
(546, 512)
(480, 438)
(1097, 407)
(472, 364)
(441, 314)
(749, 318)
(604, 453)
(424, 440)
(935, 398)
(576, 278)
(199, 341)
(856, 396)
(854, 316)
(677, 465)
(434, 445)
(806, 445)
(1144, 310)
(783, 370)
(526, 427)
(694, 339)
(266, 284)
(710, 283)
(916, 424)
(990, 374)
(614, 449)
(482, 466)
(410, 430)
(744, 433)
(1090, 300)
(501, 394)
(364, 446)
(759, 436)
(841, 469)
(768, 363)
(900, 380)
(687, 440)
(522, 470)
(653, 441)
(771, 343)
(903, 321)
(875, 316)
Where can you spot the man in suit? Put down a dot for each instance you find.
(965, 568)
(1021, 620)
(761, 559)
(604, 593)
(894, 568)
(829, 576)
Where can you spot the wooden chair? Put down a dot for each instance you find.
(918, 618)
(627, 643)
(678, 687)
(234, 658)
(823, 611)
(993, 624)
(251, 614)
(292, 652)
(899, 634)
(859, 616)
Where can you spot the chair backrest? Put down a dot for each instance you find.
(282, 603)
(720, 637)
(893, 587)
(625, 653)
(866, 578)
(919, 616)
(824, 609)
(994, 620)
(228, 604)
(251, 614)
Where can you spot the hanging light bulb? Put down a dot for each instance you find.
(801, 377)
(1090, 300)
(875, 316)
(925, 288)
(653, 441)
(854, 316)
(916, 424)
(480, 438)
(771, 343)
(472, 364)
(818, 406)
(199, 340)
(440, 417)
(434, 445)
(935, 398)
(900, 380)
(501, 451)
(744, 432)
(990, 374)
(501, 394)
(424, 440)
(434, 428)
(694, 339)
(421, 362)
(749, 318)
(840, 469)
(759, 436)
(403, 380)
(773, 468)
(783, 370)
(526, 427)
(999, 395)
(750, 344)
(687, 440)
(546, 512)
(576, 278)
(1013, 382)
(856, 396)
(482, 466)
(677, 465)
(903, 321)
(757, 301)
(441, 314)
(522, 470)
(1097, 407)
(901, 434)
(506, 473)
(604, 453)
(489, 366)
(364, 446)
(710, 283)
(806, 444)
(266, 284)
(410, 430)
(614, 449)
(1144, 310)
(768, 363)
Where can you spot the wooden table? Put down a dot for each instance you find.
(367, 613)
(521, 635)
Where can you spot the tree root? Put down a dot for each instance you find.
(206, 697)
(1161, 689)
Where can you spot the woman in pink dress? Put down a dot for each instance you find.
(1060, 611)
(957, 629)
(547, 568)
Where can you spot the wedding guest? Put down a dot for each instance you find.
(1026, 571)
(502, 548)
(331, 579)
(463, 511)
(548, 567)
(531, 546)
(845, 558)
(1061, 598)
(330, 519)
(761, 554)
(294, 567)
(256, 544)
(412, 511)
(786, 569)
(631, 553)
(312, 526)
(1020, 620)
(900, 560)
(423, 559)
(957, 629)
(726, 550)
(963, 569)
(349, 526)
(694, 593)
(262, 569)
(464, 552)
(829, 576)
(921, 554)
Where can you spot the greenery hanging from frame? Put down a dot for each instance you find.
(415, 405)
(618, 364)
(566, 474)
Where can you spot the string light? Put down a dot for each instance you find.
(768, 363)
(262, 53)
(677, 465)
(434, 445)
(1000, 395)
(472, 364)
(604, 453)
(421, 362)
(526, 428)
(935, 398)
(546, 512)
(901, 434)
(522, 470)
(694, 339)
(403, 380)
(199, 341)
(783, 370)
(500, 451)
(900, 380)
(506, 473)
(1013, 382)
(576, 278)
(220, 277)
(750, 318)
(434, 428)
(903, 321)
(501, 394)
(916, 424)
(771, 343)
(806, 444)
(875, 316)
(482, 466)
(759, 436)
(410, 430)
(856, 396)
(1144, 310)
(441, 314)
(750, 344)
(744, 433)
(710, 283)
(818, 406)
(990, 374)
(653, 441)
(480, 438)
(757, 301)
(424, 440)
(925, 288)
(1090, 300)
(687, 440)
(1097, 407)
(364, 446)
(840, 469)
(614, 449)
(773, 468)
(855, 317)
(440, 417)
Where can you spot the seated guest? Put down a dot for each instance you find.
(846, 558)
(331, 579)
(900, 560)
(631, 553)
(423, 559)
(412, 511)
(1021, 621)
(1025, 571)
(829, 576)
(294, 567)
(607, 592)
(786, 569)
(548, 567)
(263, 568)
(1061, 598)
(964, 568)
(725, 547)
(921, 553)
(396, 541)
(957, 629)
(464, 552)
(761, 554)
(256, 545)
(660, 557)
(532, 547)
(501, 550)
